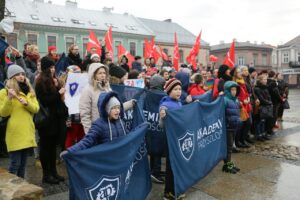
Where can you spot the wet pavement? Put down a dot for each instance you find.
(269, 170)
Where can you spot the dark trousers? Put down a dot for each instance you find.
(242, 133)
(155, 165)
(18, 161)
(275, 113)
(229, 136)
(169, 182)
(3, 149)
(48, 154)
(280, 110)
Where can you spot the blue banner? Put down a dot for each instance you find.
(62, 64)
(156, 136)
(3, 46)
(114, 170)
(196, 136)
(206, 97)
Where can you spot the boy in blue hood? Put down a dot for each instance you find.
(106, 128)
(173, 88)
(233, 122)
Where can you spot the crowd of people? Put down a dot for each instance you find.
(254, 103)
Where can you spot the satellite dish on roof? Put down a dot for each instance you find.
(6, 25)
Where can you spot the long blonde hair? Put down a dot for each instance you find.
(13, 84)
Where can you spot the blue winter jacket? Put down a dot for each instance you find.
(232, 107)
(102, 130)
(184, 78)
(169, 103)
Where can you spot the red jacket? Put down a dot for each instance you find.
(244, 95)
(195, 90)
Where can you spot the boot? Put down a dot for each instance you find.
(50, 180)
(228, 168)
(58, 177)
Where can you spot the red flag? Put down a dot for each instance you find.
(229, 59)
(122, 51)
(148, 49)
(213, 58)
(176, 55)
(191, 58)
(93, 43)
(154, 52)
(109, 42)
(215, 88)
(163, 54)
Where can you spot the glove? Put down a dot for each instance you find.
(134, 102)
(62, 154)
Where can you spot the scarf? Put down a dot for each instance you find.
(24, 87)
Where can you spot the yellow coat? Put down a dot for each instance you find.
(20, 131)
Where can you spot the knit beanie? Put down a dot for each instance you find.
(95, 55)
(51, 48)
(14, 70)
(117, 71)
(171, 84)
(46, 63)
(251, 69)
(157, 82)
(113, 101)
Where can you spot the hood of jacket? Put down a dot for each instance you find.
(227, 87)
(93, 68)
(103, 100)
(184, 78)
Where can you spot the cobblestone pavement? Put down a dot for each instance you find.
(269, 170)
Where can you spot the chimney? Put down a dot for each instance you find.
(41, 1)
(168, 20)
(50, 2)
(221, 41)
(262, 43)
(71, 4)
(107, 9)
(126, 14)
(255, 42)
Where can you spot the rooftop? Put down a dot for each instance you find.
(246, 44)
(295, 41)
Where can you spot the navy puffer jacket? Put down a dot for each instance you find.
(232, 107)
(102, 130)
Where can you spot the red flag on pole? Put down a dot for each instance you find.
(93, 43)
(163, 54)
(122, 51)
(148, 49)
(176, 55)
(109, 43)
(154, 52)
(229, 59)
(191, 58)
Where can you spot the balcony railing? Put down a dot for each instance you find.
(294, 64)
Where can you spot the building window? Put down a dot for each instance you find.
(255, 56)
(84, 43)
(132, 46)
(264, 59)
(241, 60)
(12, 39)
(166, 51)
(69, 41)
(181, 55)
(51, 40)
(298, 57)
(274, 59)
(285, 57)
(32, 38)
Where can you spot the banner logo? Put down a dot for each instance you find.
(73, 88)
(186, 145)
(107, 188)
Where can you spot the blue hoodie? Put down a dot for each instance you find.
(232, 106)
(102, 130)
(184, 78)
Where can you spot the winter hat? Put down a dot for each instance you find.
(171, 84)
(117, 71)
(222, 70)
(51, 48)
(157, 82)
(113, 101)
(94, 55)
(46, 63)
(251, 69)
(14, 70)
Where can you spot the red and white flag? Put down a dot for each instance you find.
(229, 59)
(154, 52)
(109, 42)
(163, 54)
(148, 49)
(192, 57)
(93, 43)
(176, 55)
(122, 51)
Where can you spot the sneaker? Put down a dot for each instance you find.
(170, 196)
(38, 163)
(229, 168)
(180, 197)
(157, 179)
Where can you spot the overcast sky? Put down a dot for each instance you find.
(270, 21)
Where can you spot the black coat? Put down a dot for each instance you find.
(75, 60)
(274, 91)
(57, 109)
(125, 67)
(263, 95)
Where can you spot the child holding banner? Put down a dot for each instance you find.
(233, 122)
(173, 88)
